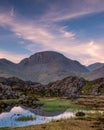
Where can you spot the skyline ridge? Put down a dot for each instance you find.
(42, 53)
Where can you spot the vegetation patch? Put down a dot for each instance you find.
(26, 118)
(10, 101)
(59, 105)
(92, 102)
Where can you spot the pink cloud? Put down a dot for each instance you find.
(12, 56)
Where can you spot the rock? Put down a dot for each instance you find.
(69, 87)
(80, 114)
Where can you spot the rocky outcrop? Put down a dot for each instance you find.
(6, 92)
(95, 87)
(6, 106)
(11, 88)
(14, 92)
(69, 87)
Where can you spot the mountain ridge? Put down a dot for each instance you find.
(44, 67)
(95, 74)
(95, 66)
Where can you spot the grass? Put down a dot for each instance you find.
(93, 102)
(96, 115)
(59, 105)
(25, 118)
(10, 101)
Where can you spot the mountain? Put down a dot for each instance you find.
(95, 66)
(98, 73)
(43, 67)
(7, 68)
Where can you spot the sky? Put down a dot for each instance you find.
(74, 28)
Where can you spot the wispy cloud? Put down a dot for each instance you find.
(36, 33)
(72, 9)
(87, 53)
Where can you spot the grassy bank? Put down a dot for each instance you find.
(10, 101)
(59, 105)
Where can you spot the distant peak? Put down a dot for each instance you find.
(43, 57)
(5, 61)
(46, 53)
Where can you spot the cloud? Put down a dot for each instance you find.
(93, 2)
(87, 53)
(36, 33)
(12, 56)
(69, 9)
(45, 34)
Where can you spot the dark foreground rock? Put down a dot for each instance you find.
(12, 88)
(15, 92)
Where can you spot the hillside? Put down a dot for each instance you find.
(95, 66)
(98, 73)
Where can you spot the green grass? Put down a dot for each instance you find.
(59, 105)
(25, 118)
(10, 101)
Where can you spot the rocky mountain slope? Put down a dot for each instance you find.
(95, 66)
(69, 87)
(98, 73)
(42, 67)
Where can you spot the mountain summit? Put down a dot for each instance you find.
(46, 66)
(43, 58)
(55, 59)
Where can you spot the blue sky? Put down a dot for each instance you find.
(72, 27)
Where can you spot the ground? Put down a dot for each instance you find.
(53, 104)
